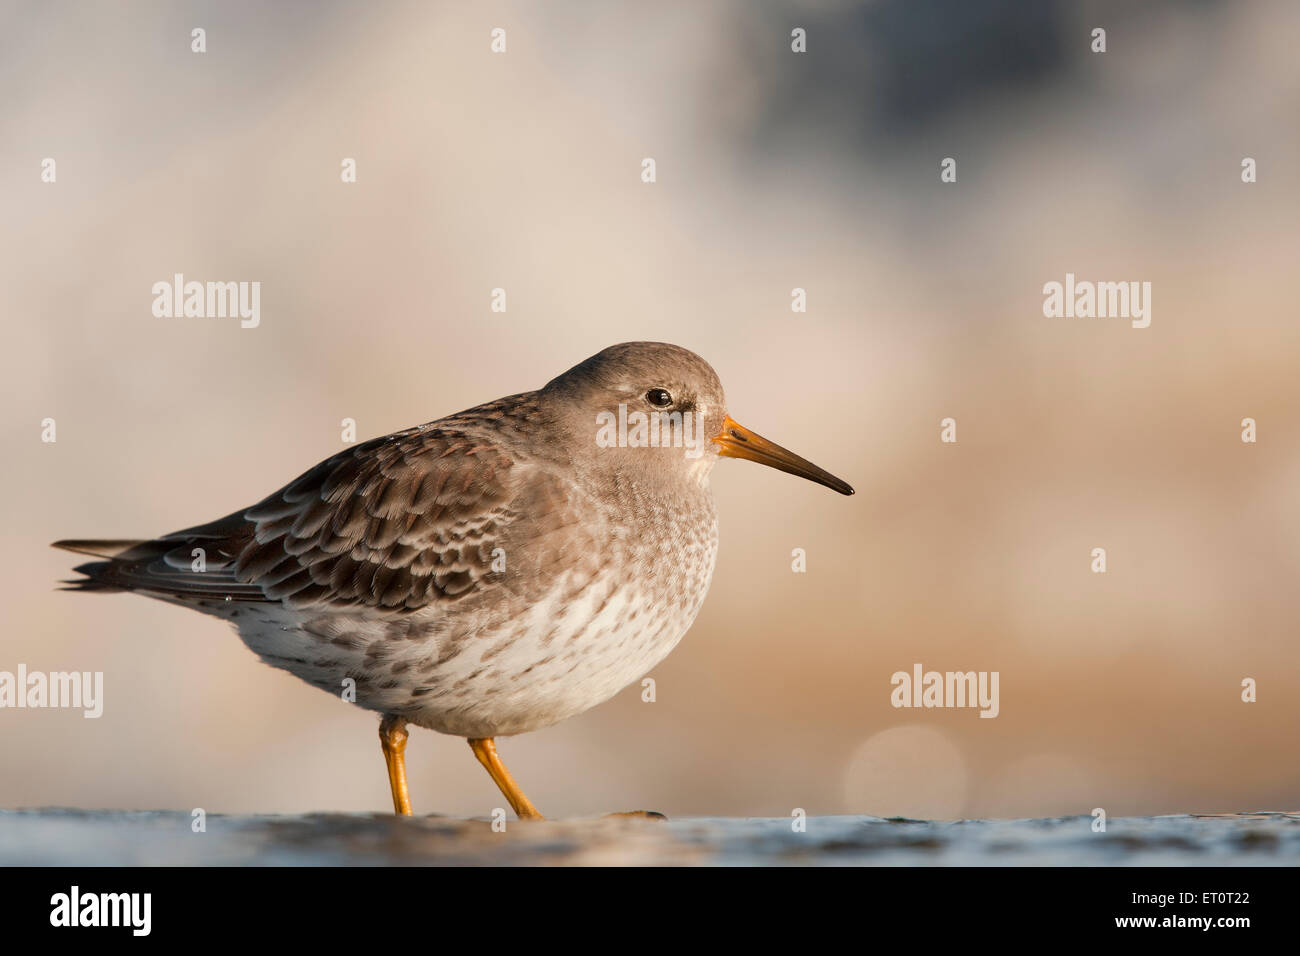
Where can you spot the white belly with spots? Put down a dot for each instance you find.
(482, 678)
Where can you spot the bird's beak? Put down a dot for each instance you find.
(737, 441)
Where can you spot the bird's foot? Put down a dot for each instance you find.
(637, 815)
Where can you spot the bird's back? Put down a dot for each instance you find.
(455, 573)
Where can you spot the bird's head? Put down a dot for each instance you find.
(653, 412)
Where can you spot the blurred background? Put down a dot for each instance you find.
(775, 170)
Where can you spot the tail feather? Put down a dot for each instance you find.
(97, 548)
(96, 573)
(163, 568)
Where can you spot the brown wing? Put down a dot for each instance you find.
(398, 522)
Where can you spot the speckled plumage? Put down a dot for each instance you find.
(485, 574)
(377, 565)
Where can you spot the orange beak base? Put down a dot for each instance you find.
(737, 441)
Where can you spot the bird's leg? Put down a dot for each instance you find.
(392, 737)
(486, 750)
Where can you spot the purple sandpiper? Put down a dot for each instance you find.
(486, 574)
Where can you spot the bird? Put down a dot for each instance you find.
(483, 575)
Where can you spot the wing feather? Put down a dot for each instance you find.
(395, 523)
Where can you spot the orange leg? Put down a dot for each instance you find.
(486, 750)
(392, 737)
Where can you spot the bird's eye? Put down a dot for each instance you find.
(659, 397)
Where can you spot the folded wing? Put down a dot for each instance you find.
(396, 523)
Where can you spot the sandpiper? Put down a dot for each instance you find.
(486, 574)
